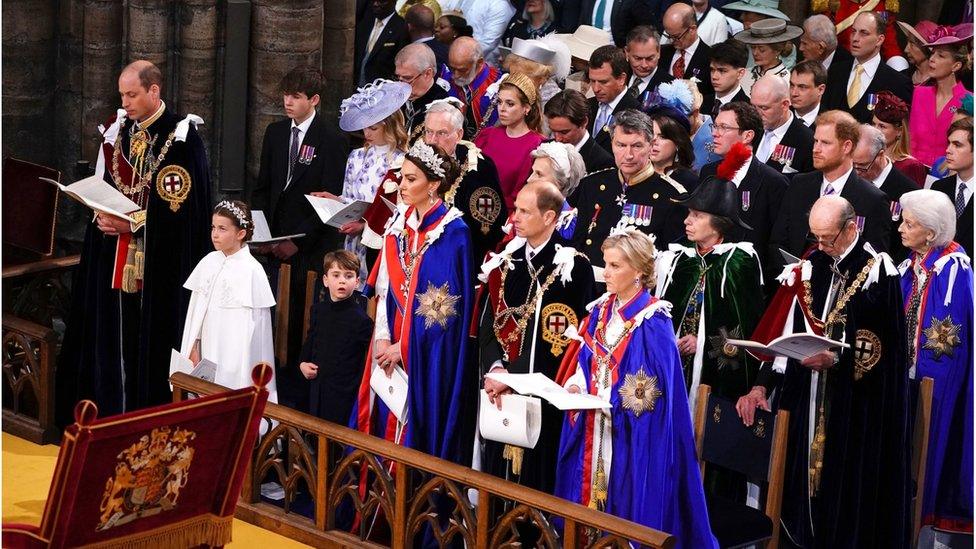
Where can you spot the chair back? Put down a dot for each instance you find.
(29, 206)
(920, 450)
(161, 477)
(283, 299)
(730, 444)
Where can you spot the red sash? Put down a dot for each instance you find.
(124, 239)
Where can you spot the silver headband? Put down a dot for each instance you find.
(242, 220)
(426, 154)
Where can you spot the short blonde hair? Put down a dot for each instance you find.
(638, 250)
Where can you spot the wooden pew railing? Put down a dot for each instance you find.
(322, 462)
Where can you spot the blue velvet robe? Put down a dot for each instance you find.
(434, 353)
(948, 497)
(654, 477)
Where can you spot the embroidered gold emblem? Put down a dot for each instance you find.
(759, 429)
(717, 414)
(942, 337)
(437, 305)
(867, 352)
(556, 317)
(485, 205)
(639, 393)
(725, 354)
(173, 185)
(148, 478)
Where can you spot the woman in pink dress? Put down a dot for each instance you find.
(934, 106)
(891, 117)
(518, 133)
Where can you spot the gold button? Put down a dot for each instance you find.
(589, 241)
(654, 196)
(603, 187)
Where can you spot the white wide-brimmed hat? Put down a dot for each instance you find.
(533, 50)
(372, 103)
(585, 40)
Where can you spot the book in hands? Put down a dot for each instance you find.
(518, 422)
(798, 346)
(262, 231)
(391, 390)
(541, 386)
(337, 212)
(205, 369)
(98, 195)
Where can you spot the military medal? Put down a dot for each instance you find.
(895, 210)
(783, 154)
(872, 101)
(306, 154)
(859, 220)
(637, 214)
(745, 201)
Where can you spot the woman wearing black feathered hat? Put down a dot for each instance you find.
(716, 289)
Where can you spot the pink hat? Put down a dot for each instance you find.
(932, 34)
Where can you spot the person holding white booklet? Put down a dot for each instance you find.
(228, 321)
(636, 460)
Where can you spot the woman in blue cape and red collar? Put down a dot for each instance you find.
(636, 460)
(937, 282)
(424, 298)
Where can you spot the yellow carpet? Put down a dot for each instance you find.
(27, 471)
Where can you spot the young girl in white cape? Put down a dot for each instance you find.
(228, 321)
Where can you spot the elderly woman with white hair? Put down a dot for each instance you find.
(937, 282)
(562, 165)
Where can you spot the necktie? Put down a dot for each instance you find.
(598, 14)
(634, 89)
(764, 147)
(374, 36)
(293, 151)
(716, 109)
(828, 190)
(409, 111)
(854, 92)
(960, 200)
(601, 118)
(678, 70)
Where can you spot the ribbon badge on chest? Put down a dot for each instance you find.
(306, 154)
(636, 214)
(860, 223)
(872, 101)
(895, 210)
(746, 200)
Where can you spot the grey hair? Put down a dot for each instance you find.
(634, 121)
(418, 56)
(821, 29)
(468, 46)
(567, 177)
(934, 211)
(873, 138)
(454, 116)
(550, 14)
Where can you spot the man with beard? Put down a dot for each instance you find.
(470, 78)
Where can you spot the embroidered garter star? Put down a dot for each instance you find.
(437, 305)
(942, 337)
(639, 393)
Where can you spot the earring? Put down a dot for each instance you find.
(636, 282)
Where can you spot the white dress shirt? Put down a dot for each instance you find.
(488, 20)
(811, 117)
(837, 184)
(610, 108)
(723, 99)
(374, 35)
(967, 185)
(870, 68)
(643, 82)
(878, 181)
(828, 60)
(771, 138)
(586, 137)
(740, 174)
(607, 13)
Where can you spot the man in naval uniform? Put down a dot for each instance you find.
(630, 195)
(128, 301)
(534, 290)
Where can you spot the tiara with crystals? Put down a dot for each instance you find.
(426, 154)
(242, 220)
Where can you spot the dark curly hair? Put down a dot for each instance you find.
(448, 164)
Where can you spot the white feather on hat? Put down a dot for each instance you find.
(563, 60)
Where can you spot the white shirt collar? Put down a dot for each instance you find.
(781, 130)
(615, 100)
(586, 137)
(689, 53)
(837, 184)
(385, 20)
(303, 127)
(883, 175)
(870, 67)
(723, 99)
(846, 253)
(424, 39)
(811, 117)
(968, 184)
(828, 60)
(740, 174)
(529, 250)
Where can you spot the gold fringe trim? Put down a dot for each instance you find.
(129, 285)
(892, 6)
(818, 6)
(203, 530)
(515, 455)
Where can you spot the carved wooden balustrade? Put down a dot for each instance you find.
(425, 500)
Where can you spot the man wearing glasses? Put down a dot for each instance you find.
(847, 481)
(871, 162)
(416, 65)
(761, 188)
(686, 56)
(836, 137)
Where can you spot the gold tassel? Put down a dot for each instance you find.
(140, 259)
(818, 6)
(892, 6)
(515, 455)
(207, 530)
(598, 495)
(129, 284)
